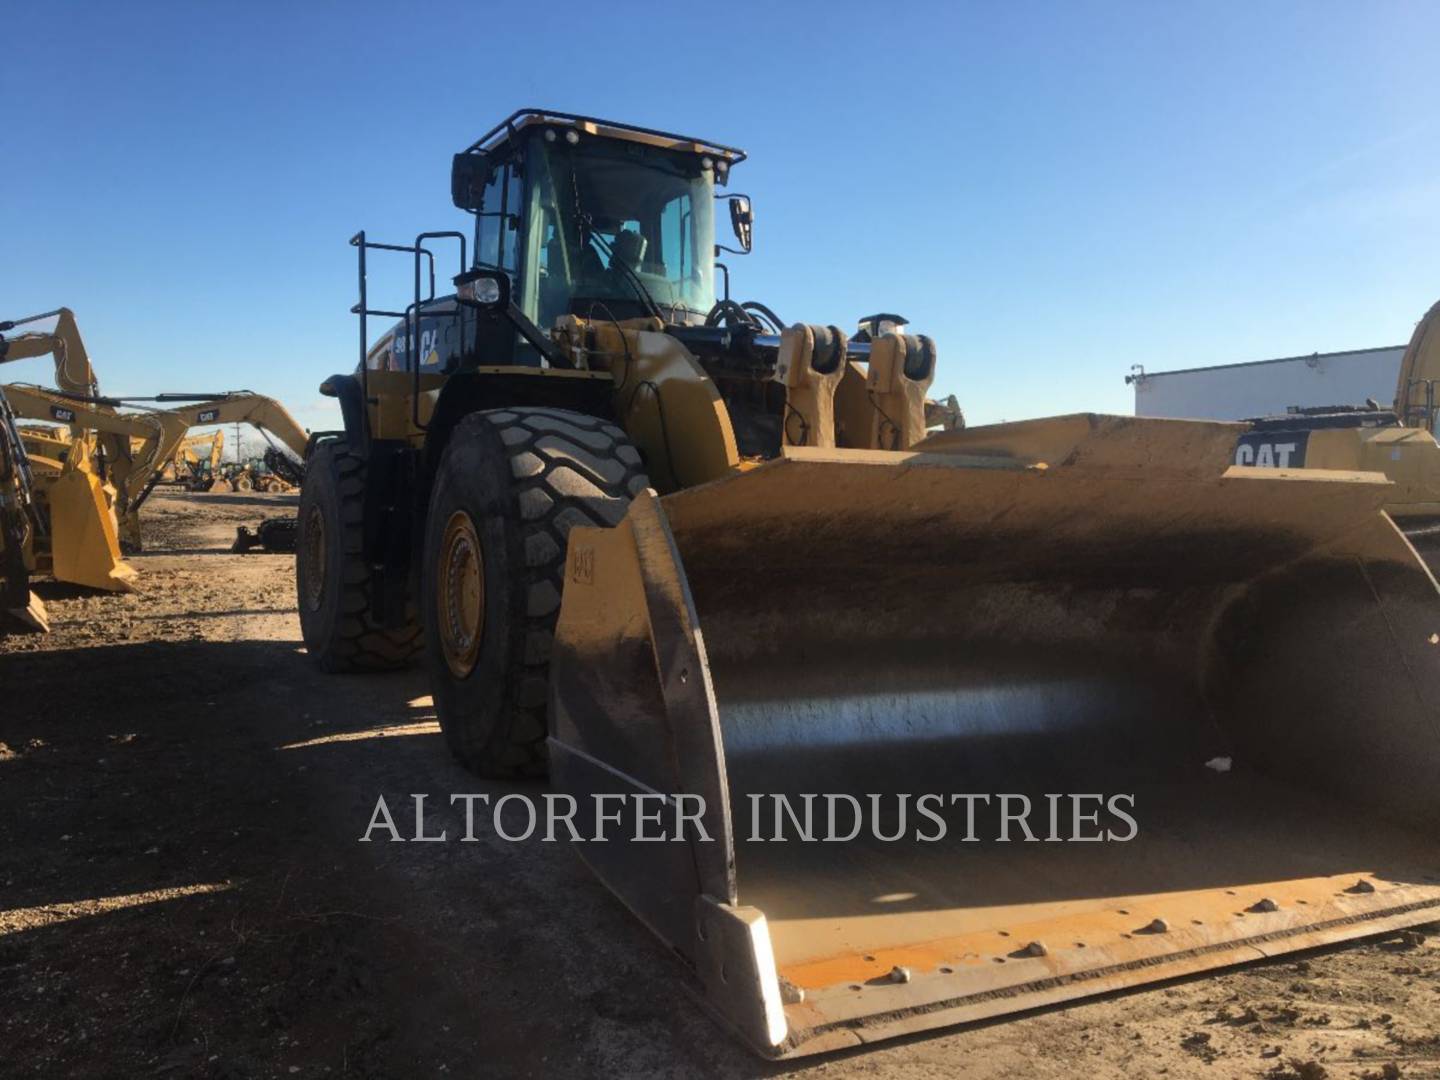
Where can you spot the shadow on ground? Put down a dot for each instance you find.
(183, 891)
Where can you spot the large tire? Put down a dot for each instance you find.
(333, 584)
(512, 482)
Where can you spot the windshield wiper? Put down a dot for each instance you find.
(625, 269)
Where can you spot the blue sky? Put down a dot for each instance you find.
(1054, 192)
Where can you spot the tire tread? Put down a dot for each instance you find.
(566, 469)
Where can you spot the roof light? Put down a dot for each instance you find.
(549, 134)
(572, 136)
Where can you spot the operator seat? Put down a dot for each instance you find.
(629, 248)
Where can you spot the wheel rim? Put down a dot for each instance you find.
(460, 599)
(312, 558)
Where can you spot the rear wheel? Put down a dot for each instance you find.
(333, 584)
(510, 486)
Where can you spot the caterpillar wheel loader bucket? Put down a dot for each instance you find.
(1250, 660)
(85, 546)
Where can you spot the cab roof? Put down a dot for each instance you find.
(511, 126)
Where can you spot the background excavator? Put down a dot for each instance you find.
(118, 448)
(281, 468)
(264, 414)
(283, 461)
(149, 439)
(1397, 439)
(670, 546)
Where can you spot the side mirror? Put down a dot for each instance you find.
(488, 290)
(469, 173)
(742, 219)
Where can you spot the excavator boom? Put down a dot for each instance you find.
(244, 407)
(73, 371)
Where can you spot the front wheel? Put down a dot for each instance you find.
(510, 486)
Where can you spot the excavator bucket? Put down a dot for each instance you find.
(85, 547)
(1166, 720)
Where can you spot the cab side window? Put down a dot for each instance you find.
(500, 219)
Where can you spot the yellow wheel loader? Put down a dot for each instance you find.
(949, 729)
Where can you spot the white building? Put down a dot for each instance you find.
(1269, 387)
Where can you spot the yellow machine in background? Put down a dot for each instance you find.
(77, 535)
(197, 461)
(150, 439)
(47, 446)
(265, 414)
(283, 463)
(20, 528)
(97, 458)
(1398, 441)
(679, 549)
(74, 373)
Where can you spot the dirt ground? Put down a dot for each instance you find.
(182, 892)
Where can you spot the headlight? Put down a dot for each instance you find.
(483, 289)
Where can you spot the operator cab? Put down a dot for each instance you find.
(595, 219)
(584, 217)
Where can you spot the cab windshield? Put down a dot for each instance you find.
(605, 215)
